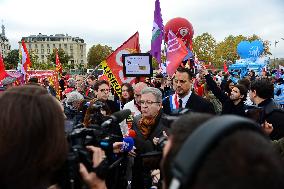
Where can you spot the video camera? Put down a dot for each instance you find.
(102, 132)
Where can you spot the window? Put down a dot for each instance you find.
(42, 51)
(65, 46)
(42, 56)
(71, 47)
(30, 46)
(48, 51)
(54, 46)
(42, 46)
(35, 45)
(59, 46)
(36, 51)
(47, 46)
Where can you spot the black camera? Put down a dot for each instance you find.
(103, 132)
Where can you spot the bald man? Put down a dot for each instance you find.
(134, 105)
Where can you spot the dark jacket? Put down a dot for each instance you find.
(141, 177)
(228, 106)
(113, 106)
(195, 103)
(273, 114)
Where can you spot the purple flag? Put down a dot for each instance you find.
(157, 32)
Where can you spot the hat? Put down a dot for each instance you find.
(8, 81)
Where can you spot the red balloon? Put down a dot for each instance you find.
(182, 28)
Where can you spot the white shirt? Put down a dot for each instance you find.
(132, 107)
(185, 99)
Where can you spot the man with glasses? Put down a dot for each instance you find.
(184, 97)
(149, 125)
(102, 92)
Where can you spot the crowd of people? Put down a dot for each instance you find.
(170, 117)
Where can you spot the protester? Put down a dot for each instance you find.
(127, 94)
(134, 105)
(71, 86)
(91, 80)
(102, 92)
(279, 92)
(233, 104)
(261, 93)
(7, 83)
(184, 97)
(150, 124)
(50, 89)
(33, 144)
(243, 159)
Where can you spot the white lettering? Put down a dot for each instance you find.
(118, 57)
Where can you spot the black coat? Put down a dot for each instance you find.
(195, 103)
(228, 106)
(273, 114)
(141, 172)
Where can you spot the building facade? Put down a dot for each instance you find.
(5, 46)
(43, 46)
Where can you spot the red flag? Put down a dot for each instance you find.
(58, 64)
(226, 68)
(3, 72)
(176, 51)
(26, 63)
(113, 66)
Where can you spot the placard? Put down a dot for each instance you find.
(137, 64)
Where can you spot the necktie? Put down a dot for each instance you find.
(180, 103)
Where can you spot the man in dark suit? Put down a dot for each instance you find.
(184, 97)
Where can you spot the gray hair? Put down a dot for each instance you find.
(73, 96)
(71, 82)
(156, 92)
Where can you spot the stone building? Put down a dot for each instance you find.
(43, 45)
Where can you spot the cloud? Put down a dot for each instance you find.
(112, 22)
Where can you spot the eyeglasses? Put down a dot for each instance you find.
(104, 90)
(147, 102)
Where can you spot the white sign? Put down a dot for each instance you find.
(137, 64)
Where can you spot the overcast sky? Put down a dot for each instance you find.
(111, 22)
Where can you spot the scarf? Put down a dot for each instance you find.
(146, 125)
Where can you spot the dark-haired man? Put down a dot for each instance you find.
(102, 91)
(184, 97)
(261, 93)
(233, 104)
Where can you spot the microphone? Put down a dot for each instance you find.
(131, 133)
(128, 144)
(116, 117)
(120, 115)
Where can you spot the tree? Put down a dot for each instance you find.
(204, 47)
(63, 57)
(226, 50)
(97, 54)
(12, 59)
(36, 65)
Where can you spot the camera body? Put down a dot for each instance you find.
(102, 132)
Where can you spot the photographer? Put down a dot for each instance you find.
(33, 144)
